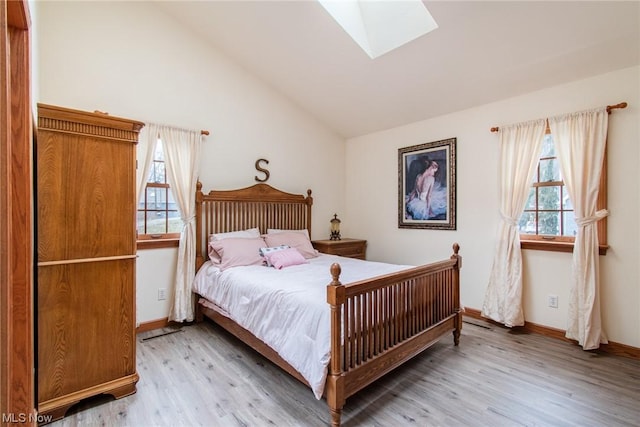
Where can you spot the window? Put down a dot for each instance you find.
(158, 217)
(548, 212)
(379, 27)
(548, 221)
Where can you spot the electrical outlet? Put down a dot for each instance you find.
(552, 301)
(162, 294)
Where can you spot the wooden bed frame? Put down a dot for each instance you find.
(376, 324)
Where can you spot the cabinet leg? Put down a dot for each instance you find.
(123, 391)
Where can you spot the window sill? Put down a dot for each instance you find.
(538, 245)
(158, 243)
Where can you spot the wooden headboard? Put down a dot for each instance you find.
(262, 206)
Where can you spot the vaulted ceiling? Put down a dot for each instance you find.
(482, 52)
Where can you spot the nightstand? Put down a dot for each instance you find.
(352, 248)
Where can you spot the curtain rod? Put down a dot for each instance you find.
(609, 108)
(202, 132)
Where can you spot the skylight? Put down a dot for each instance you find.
(381, 26)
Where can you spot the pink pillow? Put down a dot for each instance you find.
(285, 258)
(237, 251)
(265, 251)
(248, 233)
(294, 239)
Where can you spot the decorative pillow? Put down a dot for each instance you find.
(248, 233)
(285, 258)
(237, 251)
(266, 251)
(295, 240)
(277, 230)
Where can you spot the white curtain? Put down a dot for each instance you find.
(147, 141)
(182, 156)
(580, 141)
(520, 147)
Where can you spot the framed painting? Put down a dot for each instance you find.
(427, 185)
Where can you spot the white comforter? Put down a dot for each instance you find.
(287, 309)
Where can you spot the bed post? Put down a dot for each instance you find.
(198, 316)
(335, 379)
(456, 290)
(199, 256)
(309, 202)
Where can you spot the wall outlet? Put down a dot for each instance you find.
(162, 294)
(552, 301)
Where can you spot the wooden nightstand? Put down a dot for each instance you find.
(352, 248)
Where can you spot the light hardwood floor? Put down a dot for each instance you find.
(202, 376)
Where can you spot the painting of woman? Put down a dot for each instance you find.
(426, 185)
(419, 204)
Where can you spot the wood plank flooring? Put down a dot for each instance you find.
(202, 376)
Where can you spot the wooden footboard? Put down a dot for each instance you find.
(376, 325)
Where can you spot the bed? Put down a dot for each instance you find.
(382, 315)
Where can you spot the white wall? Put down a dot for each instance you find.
(372, 200)
(131, 60)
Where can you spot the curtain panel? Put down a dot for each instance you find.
(181, 150)
(182, 154)
(520, 147)
(147, 140)
(580, 141)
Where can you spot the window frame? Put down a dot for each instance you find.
(566, 243)
(160, 240)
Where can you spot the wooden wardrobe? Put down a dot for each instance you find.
(86, 240)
